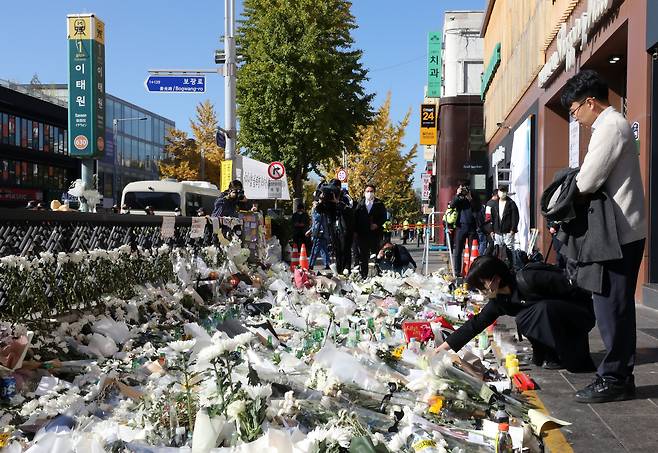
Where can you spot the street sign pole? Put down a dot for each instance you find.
(229, 78)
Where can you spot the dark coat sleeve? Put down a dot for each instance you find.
(218, 208)
(460, 203)
(404, 257)
(515, 217)
(379, 216)
(475, 325)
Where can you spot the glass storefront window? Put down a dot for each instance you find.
(12, 129)
(149, 128)
(129, 124)
(46, 138)
(19, 124)
(24, 128)
(35, 135)
(4, 128)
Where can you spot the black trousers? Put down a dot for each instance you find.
(561, 326)
(343, 253)
(368, 245)
(462, 235)
(615, 312)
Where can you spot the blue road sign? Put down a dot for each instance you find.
(175, 84)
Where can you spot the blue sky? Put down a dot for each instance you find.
(143, 35)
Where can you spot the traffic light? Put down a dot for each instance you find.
(432, 200)
(220, 56)
(220, 138)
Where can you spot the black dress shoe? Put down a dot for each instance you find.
(537, 356)
(604, 390)
(552, 365)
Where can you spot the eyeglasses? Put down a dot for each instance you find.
(572, 113)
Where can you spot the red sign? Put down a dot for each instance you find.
(12, 194)
(341, 175)
(276, 170)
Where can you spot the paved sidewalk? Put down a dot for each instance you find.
(627, 426)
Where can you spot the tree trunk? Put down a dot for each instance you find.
(298, 184)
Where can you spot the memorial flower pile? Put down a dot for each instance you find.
(200, 350)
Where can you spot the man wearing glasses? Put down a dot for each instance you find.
(611, 164)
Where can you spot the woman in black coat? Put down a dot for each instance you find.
(555, 317)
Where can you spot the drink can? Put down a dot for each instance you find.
(7, 387)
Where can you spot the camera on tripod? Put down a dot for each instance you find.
(326, 195)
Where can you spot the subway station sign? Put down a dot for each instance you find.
(86, 41)
(567, 41)
(428, 124)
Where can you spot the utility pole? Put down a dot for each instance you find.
(229, 78)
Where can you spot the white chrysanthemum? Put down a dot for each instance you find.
(258, 391)
(29, 408)
(244, 338)
(339, 435)
(318, 435)
(235, 409)
(209, 353)
(182, 346)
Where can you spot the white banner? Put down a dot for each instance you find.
(520, 179)
(256, 182)
(427, 181)
(198, 227)
(574, 143)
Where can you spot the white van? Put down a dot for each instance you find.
(167, 195)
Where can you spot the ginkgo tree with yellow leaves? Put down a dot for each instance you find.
(379, 159)
(183, 154)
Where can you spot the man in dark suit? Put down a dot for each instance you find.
(369, 218)
(505, 219)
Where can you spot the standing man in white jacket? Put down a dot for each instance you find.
(611, 164)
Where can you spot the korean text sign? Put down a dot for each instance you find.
(86, 43)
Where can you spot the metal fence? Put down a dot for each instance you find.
(27, 233)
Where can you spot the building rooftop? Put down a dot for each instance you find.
(34, 91)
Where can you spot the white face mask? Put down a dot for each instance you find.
(370, 196)
(502, 195)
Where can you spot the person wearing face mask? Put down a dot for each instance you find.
(230, 201)
(369, 218)
(554, 315)
(505, 219)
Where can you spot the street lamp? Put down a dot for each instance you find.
(115, 129)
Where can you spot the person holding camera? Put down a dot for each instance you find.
(230, 201)
(369, 219)
(320, 234)
(343, 229)
(396, 258)
(466, 225)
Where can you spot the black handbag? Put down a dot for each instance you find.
(541, 281)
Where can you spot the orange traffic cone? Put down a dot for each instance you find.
(465, 260)
(294, 259)
(303, 258)
(474, 252)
